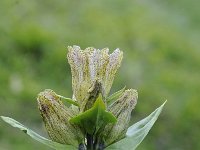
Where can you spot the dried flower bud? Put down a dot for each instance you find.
(91, 65)
(121, 109)
(55, 116)
(80, 73)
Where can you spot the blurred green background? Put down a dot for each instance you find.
(160, 40)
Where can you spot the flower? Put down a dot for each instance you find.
(93, 72)
(55, 116)
(121, 109)
(90, 66)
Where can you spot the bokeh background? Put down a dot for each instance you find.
(160, 40)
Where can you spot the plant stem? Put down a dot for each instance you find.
(89, 142)
(94, 143)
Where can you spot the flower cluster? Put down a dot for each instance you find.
(94, 119)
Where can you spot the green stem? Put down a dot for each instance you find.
(89, 142)
(94, 143)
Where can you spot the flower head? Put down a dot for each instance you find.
(90, 66)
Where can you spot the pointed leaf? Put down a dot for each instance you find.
(69, 100)
(115, 96)
(94, 118)
(36, 136)
(137, 132)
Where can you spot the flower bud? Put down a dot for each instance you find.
(89, 66)
(55, 116)
(121, 109)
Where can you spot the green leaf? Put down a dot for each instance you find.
(69, 100)
(137, 132)
(94, 118)
(115, 96)
(36, 136)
